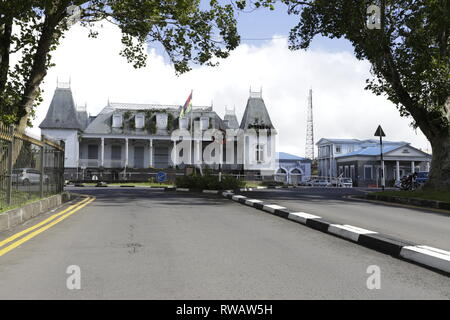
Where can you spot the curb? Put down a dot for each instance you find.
(14, 217)
(429, 257)
(431, 204)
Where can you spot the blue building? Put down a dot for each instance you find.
(292, 169)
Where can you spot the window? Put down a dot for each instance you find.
(116, 152)
(92, 151)
(352, 172)
(161, 120)
(259, 153)
(338, 149)
(346, 171)
(139, 121)
(367, 172)
(117, 121)
(183, 123)
(204, 123)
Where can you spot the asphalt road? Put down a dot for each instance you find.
(146, 244)
(418, 225)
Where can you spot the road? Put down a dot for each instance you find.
(418, 225)
(147, 244)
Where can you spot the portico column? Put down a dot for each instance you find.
(126, 152)
(151, 152)
(175, 156)
(428, 166)
(397, 170)
(102, 153)
(413, 167)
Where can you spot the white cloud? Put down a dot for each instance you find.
(343, 109)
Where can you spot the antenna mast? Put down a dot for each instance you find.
(309, 147)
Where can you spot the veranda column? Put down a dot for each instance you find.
(397, 171)
(102, 153)
(126, 152)
(428, 166)
(151, 152)
(175, 156)
(413, 169)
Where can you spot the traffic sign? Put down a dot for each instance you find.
(161, 176)
(379, 132)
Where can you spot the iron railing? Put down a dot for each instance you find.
(29, 168)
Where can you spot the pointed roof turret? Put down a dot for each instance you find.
(256, 112)
(62, 113)
(231, 119)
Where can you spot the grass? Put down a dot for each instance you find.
(19, 199)
(252, 184)
(418, 194)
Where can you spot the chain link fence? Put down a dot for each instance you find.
(30, 168)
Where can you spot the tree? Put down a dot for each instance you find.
(409, 54)
(32, 29)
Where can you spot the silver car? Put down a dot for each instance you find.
(27, 176)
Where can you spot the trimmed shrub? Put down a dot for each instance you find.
(209, 182)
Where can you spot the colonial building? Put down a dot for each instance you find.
(360, 160)
(135, 137)
(292, 169)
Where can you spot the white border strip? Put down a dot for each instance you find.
(347, 231)
(433, 257)
(272, 207)
(301, 217)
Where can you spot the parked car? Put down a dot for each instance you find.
(320, 183)
(345, 183)
(27, 176)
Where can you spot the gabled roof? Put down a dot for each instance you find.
(288, 156)
(371, 151)
(101, 124)
(332, 140)
(256, 113)
(62, 113)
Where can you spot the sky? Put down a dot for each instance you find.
(342, 108)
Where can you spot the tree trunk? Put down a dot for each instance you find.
(440, 166)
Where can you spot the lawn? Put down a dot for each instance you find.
(418, 194)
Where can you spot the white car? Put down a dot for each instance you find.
(345, 183)
(27, 176)
(319, 183)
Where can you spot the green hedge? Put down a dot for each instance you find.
(209, 182)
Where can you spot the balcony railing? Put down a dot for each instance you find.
(95, 163)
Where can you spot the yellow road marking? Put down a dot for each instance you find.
(35, 233)
(21, 233)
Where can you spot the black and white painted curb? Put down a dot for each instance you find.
(423, 255)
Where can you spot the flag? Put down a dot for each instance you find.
(187, 106)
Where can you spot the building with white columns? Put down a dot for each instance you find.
(361, 161)
(126, 138)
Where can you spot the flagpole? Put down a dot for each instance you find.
(192, 135)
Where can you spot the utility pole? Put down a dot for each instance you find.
(380, 133)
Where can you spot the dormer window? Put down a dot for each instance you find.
(139, 121)
(204, 123)
(117, 121)
(161, 120)
(183, 123)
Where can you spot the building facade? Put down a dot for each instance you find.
(361, 160)
(292, 169)
(133, 138)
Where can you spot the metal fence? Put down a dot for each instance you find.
(29, 168)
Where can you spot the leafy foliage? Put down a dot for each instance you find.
(209, 182)
(190, 34)
(409, 55)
